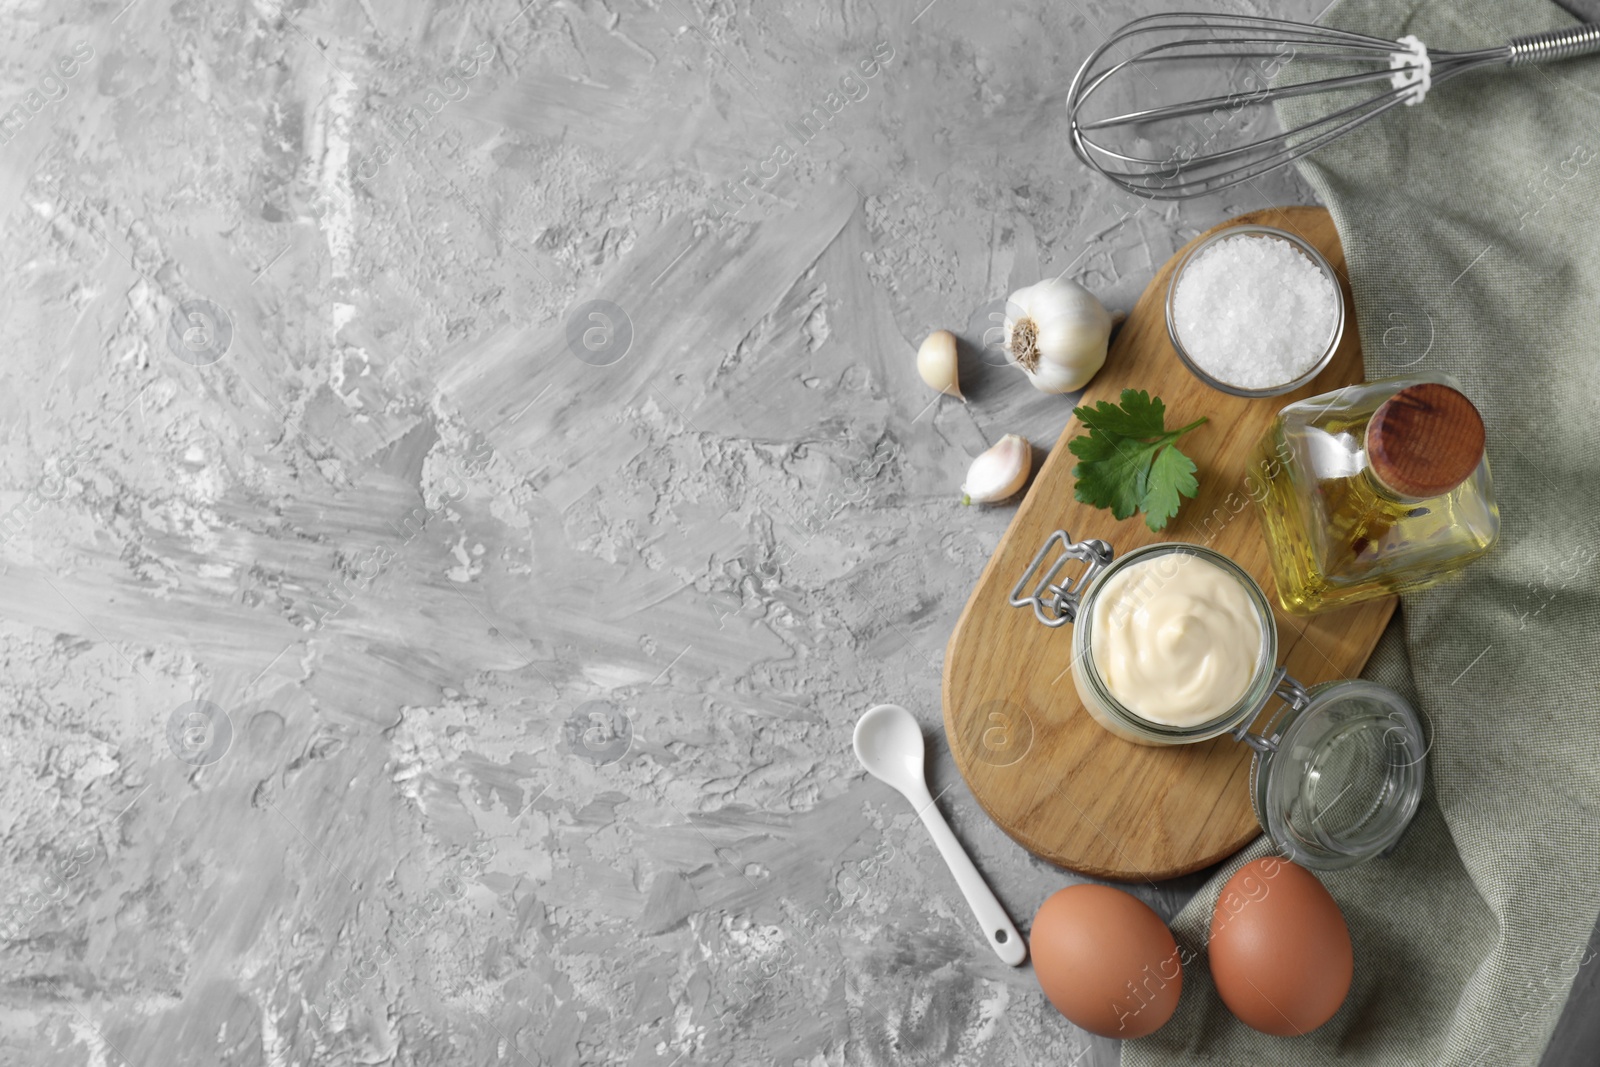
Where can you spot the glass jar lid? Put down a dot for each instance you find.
(1338, 771)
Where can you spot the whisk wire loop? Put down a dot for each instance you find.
(1343, 63)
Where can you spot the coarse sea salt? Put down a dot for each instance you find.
(1254, 312)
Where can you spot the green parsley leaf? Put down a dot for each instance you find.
(1171, 478)
(1112, 475)
(1139, 415)
(1129, 459)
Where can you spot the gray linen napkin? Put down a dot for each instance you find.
(1471, 225)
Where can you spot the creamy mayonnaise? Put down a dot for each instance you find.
(1175, 638)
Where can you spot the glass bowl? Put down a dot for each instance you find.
(1269, 233)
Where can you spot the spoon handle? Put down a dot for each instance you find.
(997, 926)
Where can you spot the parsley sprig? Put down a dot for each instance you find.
(1129, 459)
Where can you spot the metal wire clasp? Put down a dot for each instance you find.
(1056, 604)
(1286, 689)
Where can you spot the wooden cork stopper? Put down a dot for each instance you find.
(1425, 440)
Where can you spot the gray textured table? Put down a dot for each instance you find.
(466, 476)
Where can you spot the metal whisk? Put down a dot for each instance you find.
(1173, 151)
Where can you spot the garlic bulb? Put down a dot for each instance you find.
(936, 362)
(1000, 472)
(1056, 331)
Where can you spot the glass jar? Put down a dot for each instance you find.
(1377, 488)
(1337, 770)
(1111, 713)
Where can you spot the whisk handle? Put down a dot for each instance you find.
(1557, 44)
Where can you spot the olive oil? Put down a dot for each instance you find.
(1375, 489)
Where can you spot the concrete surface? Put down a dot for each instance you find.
(448, 535)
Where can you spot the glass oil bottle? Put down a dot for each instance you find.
(1377, 488)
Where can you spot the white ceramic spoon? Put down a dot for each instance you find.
(888, 742)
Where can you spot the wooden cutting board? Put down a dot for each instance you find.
(1063, 787)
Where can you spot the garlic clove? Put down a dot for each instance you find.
(1057, 333)
(1000, 472)
(936, 362)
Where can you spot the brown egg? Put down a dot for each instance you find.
(1280, 950)
(1106, 961)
